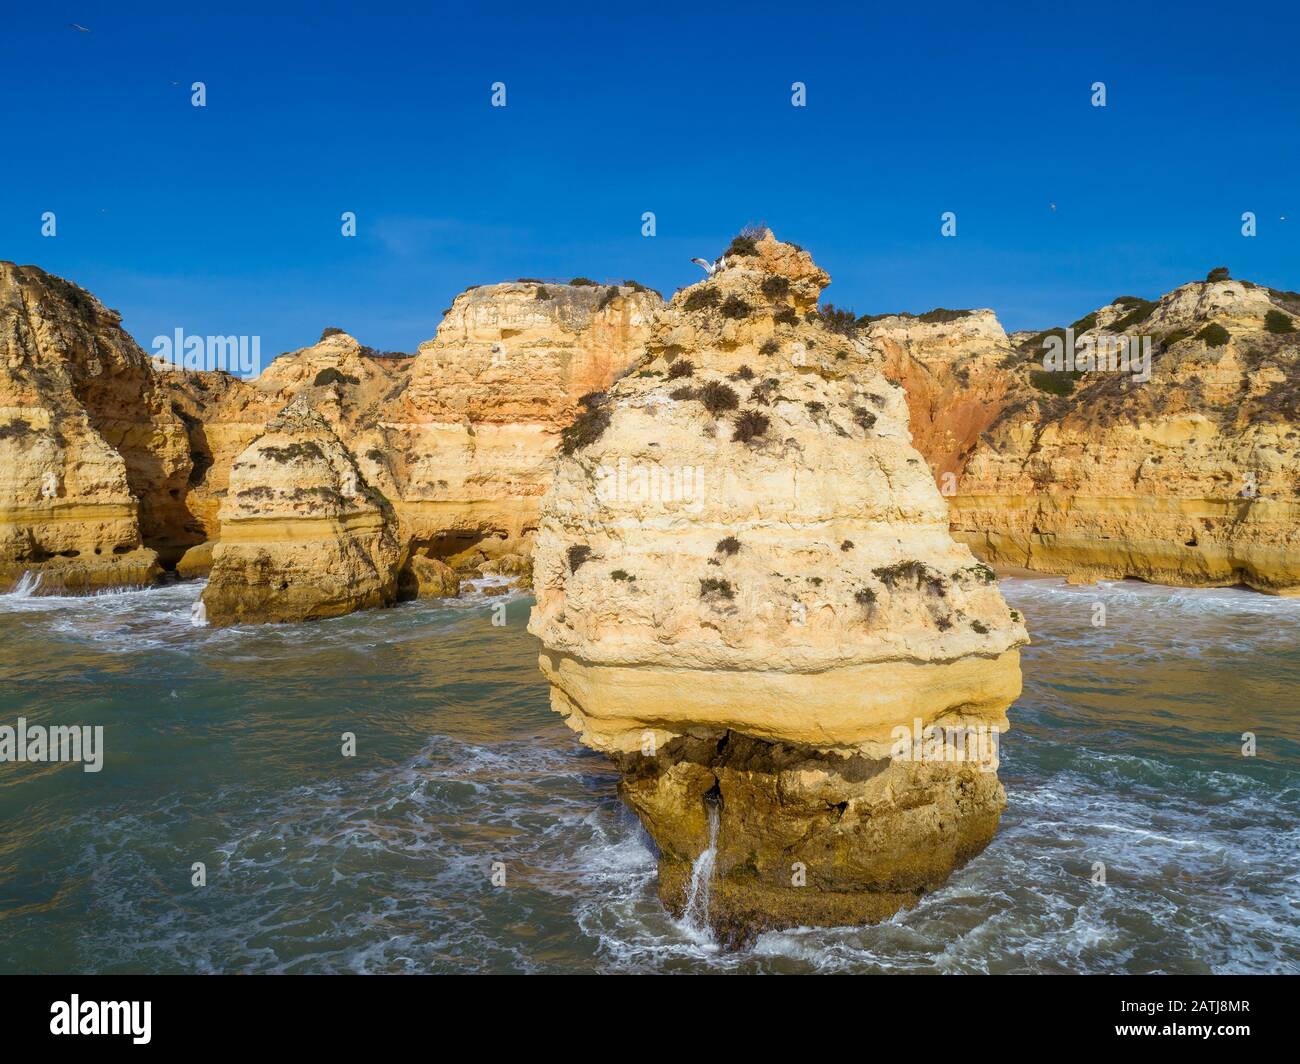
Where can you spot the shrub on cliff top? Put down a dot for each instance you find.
(702, 297)
(331, 331)
(541, 293)
(590, 424)
(728, 546)
(1219, 273)
(745, 243)
(1214, 335)
(838, 320)
(749, 426)
(744, 373)
(681, 394)
(718, 398)
(584, 282)
(785, 315)
(1139, 311)
(683, 367)
(611, 294)
(1277, 322)
(577, 555)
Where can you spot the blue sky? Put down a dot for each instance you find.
(225, 219)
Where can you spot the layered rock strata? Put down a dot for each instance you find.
(94, 463)
(303, 535)
(1186, 478)
(745, 588)
(457, 441)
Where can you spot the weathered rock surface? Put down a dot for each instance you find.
(94, 463)
(745, 585)
(1187, 479)
(303, 535)
(953, 367)
(457, 441)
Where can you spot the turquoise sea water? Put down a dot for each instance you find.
(224, 747)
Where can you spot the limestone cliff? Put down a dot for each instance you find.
(457, 441)
(303, 535)
(339, 378)
(94, 463)
(1188, 478)
(745, 586)
(953, 367)
(473, 441)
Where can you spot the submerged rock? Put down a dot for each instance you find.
(746, 586)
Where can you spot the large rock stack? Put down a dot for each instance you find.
(745, 589)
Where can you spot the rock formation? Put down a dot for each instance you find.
(1188, 478)
(953, 366)
(303, 535)
(745, 589)
(94, 463)
(458, 441)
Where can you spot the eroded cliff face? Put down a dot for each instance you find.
(472, 440)
(457, 441)
(953, 367)
(745, 586)
(94, 464)
(1187, 479)
(303, 535)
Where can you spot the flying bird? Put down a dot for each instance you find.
(1052, 205)
(78, 26)
(711, 267)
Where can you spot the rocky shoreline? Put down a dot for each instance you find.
(758, 530)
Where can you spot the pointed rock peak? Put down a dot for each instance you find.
(338, 338)
(762, 270)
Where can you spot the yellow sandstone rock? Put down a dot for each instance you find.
(458, 441)
(303, 535)
(93, 461)
(1188, 478)
(745, 586)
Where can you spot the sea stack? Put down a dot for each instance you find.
(303, 536)
(748, 597)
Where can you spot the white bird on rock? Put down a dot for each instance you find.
(711, 267)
